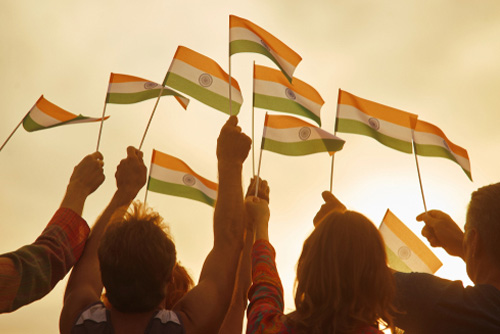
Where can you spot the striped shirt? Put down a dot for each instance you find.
(32, 271)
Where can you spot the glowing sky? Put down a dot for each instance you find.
(437, 59)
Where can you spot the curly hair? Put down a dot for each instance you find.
(136, 259)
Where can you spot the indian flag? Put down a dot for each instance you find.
(171, 176)
(405, 251)
(272, 91)
(126, 89)
(430, 141)
(203, 79)
(291, 136)
(45, 114)
(244, 36)
(387, 125)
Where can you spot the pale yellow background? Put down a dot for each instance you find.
(438, 59)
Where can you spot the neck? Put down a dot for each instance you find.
(487, 273)
(130, 322)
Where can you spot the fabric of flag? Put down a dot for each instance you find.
(272, 91)
(244, 36)
(45, 114)
(126, 89)
(389, 126)
(203, 79)
(171, 176)
(405, 251)
(430, 141)
(291, 136)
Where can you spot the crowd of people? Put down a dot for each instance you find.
(126, 277)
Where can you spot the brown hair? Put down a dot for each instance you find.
(343, 282)
(178, 286)
(136, 259)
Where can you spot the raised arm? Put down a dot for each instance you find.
(203, 308)
(85, 285)
(233, 322)
(442, 231)
(33, 270)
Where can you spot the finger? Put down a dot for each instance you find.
(328, 196)
(97, 155)
(232, 121)
(131, 151)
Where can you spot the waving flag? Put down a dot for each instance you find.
(291, 136)
(171, 176)
(272, 91)
(203, 79)
(45, 114)
(389, 126)
(126, 89)
(244, 36)
(405, 251)
(430, 141)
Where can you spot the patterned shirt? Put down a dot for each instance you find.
(32, 271)
(95, 319)
(265, 311)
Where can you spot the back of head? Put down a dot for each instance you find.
(136, 259)
(343, 281)
(483, 214)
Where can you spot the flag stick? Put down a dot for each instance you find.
(151, 117)
(12, 133)
(149, 179)
(103, 113)
(253, 122)
(334, 133)
(418, 172)
(260, 159)
(229, 59)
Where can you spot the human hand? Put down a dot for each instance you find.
(257, 211)
(232, 144)
(262, 192)
(131, 173)
(442, 231)
(88, 175)
(331, 204)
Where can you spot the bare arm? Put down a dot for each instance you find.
(233, 322)
(203, 308)
(85, 285)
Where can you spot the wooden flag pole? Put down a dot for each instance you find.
(12, 133)
(151, 117)
(229, 60)
(253, 121)
(418, 170)
(149, 179)
(103, 113)
(334, 133)
(260, 159)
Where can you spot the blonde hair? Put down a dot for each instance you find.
(343, 282)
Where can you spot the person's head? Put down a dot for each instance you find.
(343, 281)
(482, 227)
(136, 259)
(178, 286)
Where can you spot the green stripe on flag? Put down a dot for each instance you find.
(250, 46)
(302, 147)
(128, 98)
(284, 105)
(179, 190)
(395, 261)
(427, 150)
(30, 125)
(202, 94)
(360, 128)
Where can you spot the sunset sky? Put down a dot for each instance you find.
(437, 59)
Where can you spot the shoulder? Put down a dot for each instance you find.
(93, 319)
(166, 321)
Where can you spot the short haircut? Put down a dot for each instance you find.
(343, 281)
(136, 258)
(483, 214)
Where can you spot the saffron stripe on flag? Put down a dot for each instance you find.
(406, 247)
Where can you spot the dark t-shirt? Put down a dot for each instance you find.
(434, 305)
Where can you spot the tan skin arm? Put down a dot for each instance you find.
(202, 309)
(233, 322)
(85, 285)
